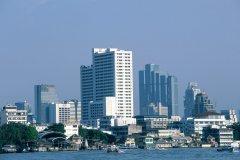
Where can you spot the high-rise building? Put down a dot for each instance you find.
(155, 88)
(189, 98)
(44, 95)
(172, 96)
(86, 73)
(202, 104)
(111, 77)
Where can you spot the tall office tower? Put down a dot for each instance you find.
(163, 89)
(86, 73)
(202, 104)
(149, 88)
(75, 110)
(189, 98)
(172, 96)
(113, 78)
(112, 85)
(157, 88)
(44, 95)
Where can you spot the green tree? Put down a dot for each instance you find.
(17, 134)
(93, 134)
(58, 127)
(236, 130)
(82, 132)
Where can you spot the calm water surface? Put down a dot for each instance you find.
(169, 154)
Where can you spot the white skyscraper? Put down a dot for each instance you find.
(112, 79)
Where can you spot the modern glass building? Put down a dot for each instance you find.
(155, 88)
(172, 95)
(86, 74)
(44, 95)
(189, 98)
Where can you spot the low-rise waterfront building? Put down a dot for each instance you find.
(154, 123)
(222, 135)
(196, 124)
(71, 129)
(126, 130)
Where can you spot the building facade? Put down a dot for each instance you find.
(196, 124)
(43, 96)
(111, 74)
(157, 88)
(223, 136)
(189, 98)
(86, 74)
(75, 110)
(202, 104)
(10, 113)
(59, 113)
(154, 123)
(24, 106)
(230, 115)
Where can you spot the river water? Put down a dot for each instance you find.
(168, 154)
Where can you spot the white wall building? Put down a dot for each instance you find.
(59, 113)
(112, 91)
(70, 129)
(75, 110)
(196, 125)
(10, 113)
(165, 133)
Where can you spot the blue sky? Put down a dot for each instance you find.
(46, 41)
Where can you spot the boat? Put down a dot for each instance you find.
(9, 149)
(112, 148)
(223, 149)
(234, 147)
(124, 146)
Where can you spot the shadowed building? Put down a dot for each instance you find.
(202, 104)
(189, 98)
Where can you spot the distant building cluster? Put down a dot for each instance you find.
(158, 92)
(107, 103)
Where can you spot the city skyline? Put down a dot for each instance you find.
(197, 42)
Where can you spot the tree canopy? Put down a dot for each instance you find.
(236, 130)
(59, 127)
(17, 134)
(93, 134)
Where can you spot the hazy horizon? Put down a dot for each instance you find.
(46, 42)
